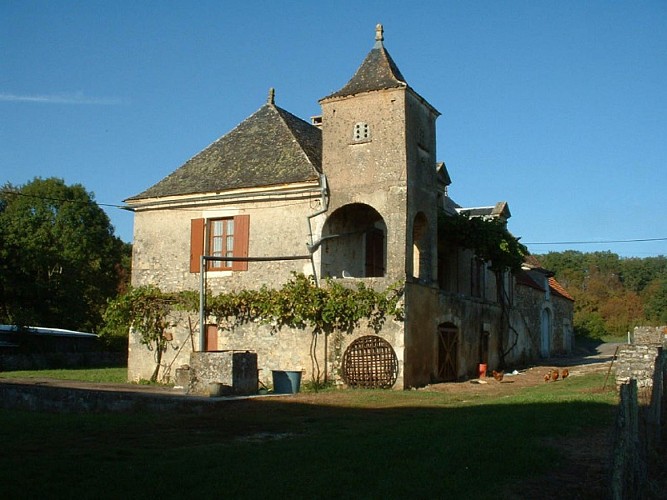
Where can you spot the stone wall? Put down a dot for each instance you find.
(316, 356)
(638, 362)
(650, 335)
(63, 396)
(161, 247)
(288, 349)
(638, 428)
(372, 172)
(629, 468)
(527, 319)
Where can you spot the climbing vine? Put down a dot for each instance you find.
(300, 303)
(146, 311)
(489, 239)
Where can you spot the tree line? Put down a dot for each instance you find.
(612, 294)
(60, 261)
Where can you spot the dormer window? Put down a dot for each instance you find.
(362, 132)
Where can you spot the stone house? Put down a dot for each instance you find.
(354, 194)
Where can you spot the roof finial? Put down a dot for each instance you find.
(379, 33)
(272, 96)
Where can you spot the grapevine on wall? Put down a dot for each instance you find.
(300, 303)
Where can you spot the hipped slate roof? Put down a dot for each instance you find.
(377, 72)
(269, 148)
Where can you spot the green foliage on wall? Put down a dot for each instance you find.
(489, 239)
(300, 303)
(144, 310)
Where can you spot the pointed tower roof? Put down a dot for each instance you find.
(377, 72)
(271, 147)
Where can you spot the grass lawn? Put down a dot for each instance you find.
(112, 375)
(332, 444)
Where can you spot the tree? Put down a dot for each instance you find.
(59, 259)
(146, 310)
(656, 301)
(612, 294)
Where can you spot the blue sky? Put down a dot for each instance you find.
(557, 107)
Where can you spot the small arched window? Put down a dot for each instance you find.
(362, 132)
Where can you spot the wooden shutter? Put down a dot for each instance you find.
(196, 244)
(241, 241)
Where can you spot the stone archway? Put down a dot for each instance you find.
(354, 243)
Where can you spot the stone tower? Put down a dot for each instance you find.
(378, 152)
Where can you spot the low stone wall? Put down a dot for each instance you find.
(638, 362)
(49, 397)
(629, 467)
(650, 335)
(638, 430)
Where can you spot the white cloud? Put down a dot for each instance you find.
(75, 98)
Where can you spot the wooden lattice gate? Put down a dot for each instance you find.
(370, 362)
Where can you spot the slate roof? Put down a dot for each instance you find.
(271, 147)
(377, 72)
(500, 209)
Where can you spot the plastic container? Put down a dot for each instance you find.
(482, 370)
(286, 382)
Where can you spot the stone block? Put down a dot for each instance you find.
(234, 372)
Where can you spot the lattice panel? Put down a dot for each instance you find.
(370, 362)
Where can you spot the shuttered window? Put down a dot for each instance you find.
(221, 237)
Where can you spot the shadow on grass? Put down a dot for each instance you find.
(408, 446)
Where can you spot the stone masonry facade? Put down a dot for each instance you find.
(356, 195)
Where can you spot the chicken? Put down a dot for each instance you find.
(498, 375)
(554, 375)
(565, 373)
(547, 377)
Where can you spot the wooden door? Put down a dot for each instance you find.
(374, 253)
(211, 338)
(448, 341)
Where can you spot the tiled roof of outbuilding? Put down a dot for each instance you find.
(533, 274)
(269, 148)
(377, 72)
(558, 289)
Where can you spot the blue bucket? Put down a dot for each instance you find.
(286, 382)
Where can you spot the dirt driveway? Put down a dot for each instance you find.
(597, 359)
